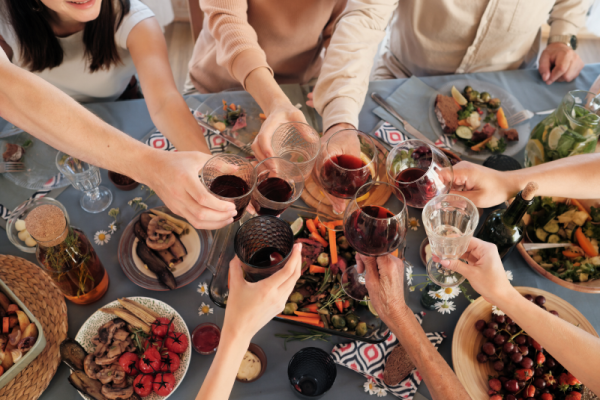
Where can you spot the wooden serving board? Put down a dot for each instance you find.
(467, 341)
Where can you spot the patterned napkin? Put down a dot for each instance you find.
(392, 136)
(369, 360)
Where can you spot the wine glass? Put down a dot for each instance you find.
(345, 163)
(449, 221)
(298, 143)
(278, 184)
(420, 171)
(372, 230)
(86, 178)
(231, 178)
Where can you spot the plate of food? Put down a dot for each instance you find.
(572, 222)
(474, 114)
(161, 251)
(39, 159)
(480, 337)
(132, 348)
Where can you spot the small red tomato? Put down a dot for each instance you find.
(153, 341)
(159, 327)
(177, 342)
(143, 384)
(150, 361)
(170, 361)
(530, 391)
(164, 383)
(129, 362)
(495, 384)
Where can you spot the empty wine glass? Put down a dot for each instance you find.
(420, 171)
(297, 142)
(372, 230)
(278, 184)
(85, 177)
(449, 221)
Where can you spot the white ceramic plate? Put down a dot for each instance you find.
(510, 105)
(90, 328)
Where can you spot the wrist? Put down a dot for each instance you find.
(235, 334)
(141, 166)
(401, 316)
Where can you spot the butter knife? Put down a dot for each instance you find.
(225, 135)
(408, 127)
(539, 246)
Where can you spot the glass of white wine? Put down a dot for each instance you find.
(449, 221)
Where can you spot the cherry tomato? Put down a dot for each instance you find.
(170, 361)
(153, 341)
(164, 383)
(177, 342)
(143, 385)
(129, 362)
(159, 327)
(150, 361)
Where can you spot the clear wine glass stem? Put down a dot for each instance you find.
(93, 194)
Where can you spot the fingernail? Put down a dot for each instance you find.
(445, 263)
(233, 213)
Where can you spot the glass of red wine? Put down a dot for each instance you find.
(231, 178)
(420, 171)
(298, 143)
(278, 184)
(263, 244)
(372, 230)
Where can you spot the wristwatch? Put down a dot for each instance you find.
(569, 40)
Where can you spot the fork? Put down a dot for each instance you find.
(11, 167)
(524, 115)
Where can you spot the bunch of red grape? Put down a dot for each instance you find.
(525, 371)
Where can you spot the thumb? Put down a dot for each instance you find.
(544, 67)
(236, 274)
(456, 266)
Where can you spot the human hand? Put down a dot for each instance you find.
(559, 63)
(250, 306)
(280, 114)
(310, 102)
(484, 272)
(177, 184)
(385, 283)
(485, 187)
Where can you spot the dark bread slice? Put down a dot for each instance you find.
(397, 366)
(446, 111)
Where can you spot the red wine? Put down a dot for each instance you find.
(266, 257)
(206, 339)
(343, 175)
(276, 190)
(417, 194)
(370, 232)
(231, 186)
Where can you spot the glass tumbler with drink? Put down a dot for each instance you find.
(449, 221)
(298, 143)
(278, 184)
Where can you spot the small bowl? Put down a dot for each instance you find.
(202, 325)
(113, 176)
(258, 351)
(21, 212)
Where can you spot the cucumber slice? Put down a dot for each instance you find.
(541, 234)
(464, 133)
(553, 238)
(552, 226)
(297, 227)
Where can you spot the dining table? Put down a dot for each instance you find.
(133, 118)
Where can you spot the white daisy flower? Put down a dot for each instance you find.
(370, 387)
(136, 199)
(509, 275)
(449, 293)
(445, 307)
(497, 311)
(204, 309)
(409, 272)
(436, 294)
(413, 223)
(143, 206)
(381, 392)
(101, 237)
(203, 288)
(112, 227)
(130, 202)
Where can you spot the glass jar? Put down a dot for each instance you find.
(572, 129)
(67, 256)
(427, 301)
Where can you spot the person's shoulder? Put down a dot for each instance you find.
(138, 12)
(136, 7)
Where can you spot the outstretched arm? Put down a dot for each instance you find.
(550, 331)
(385, 282)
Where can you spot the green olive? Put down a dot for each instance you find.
(361, 329)
(296, 297)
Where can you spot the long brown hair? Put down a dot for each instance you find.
(40, 49)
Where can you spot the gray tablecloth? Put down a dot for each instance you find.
(133, 118)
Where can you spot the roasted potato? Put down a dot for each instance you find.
(23, 320)
(7, 361)
(4, 301)
(30, 330)
(13, 321)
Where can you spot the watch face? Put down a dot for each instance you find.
(574, 42)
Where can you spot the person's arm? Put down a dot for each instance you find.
(168, 109)
(559, 62)
(385, 282)
(344, 78)
(250, 306)
(567, 177)
(548, 330)
(65, 125)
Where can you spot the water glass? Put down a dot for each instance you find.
(449, 221)
(279, 183)
(312, 372)
(86, 178)
(297, 142)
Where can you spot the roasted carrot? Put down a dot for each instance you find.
(577, 264)
(571, 254)
(5, 325)
(322, 228)
(463, 122)
(502, 121)
(394, 253)
(347, 304)
(480, 145)
(340, 305)
(315, 269)
(333, 247)
(232, 106)
(306, 314)
(313, 308)
(581, 208)
(314, 233)
(585, 243)
(224, 102)
(262, 116)
(333, 224)
(319, 239)
(12, 309)
(310, 321)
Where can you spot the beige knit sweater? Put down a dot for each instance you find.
(238, 36)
